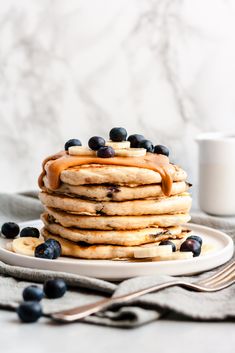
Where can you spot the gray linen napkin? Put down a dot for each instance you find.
(83, 290)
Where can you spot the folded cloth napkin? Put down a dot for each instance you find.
(84, 290)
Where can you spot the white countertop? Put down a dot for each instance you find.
(163, 336)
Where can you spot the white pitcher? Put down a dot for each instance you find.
(217, 173)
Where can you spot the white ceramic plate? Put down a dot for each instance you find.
(118, 270)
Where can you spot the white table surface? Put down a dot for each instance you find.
(163, 336)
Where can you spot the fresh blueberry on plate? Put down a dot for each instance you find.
(72, 142)
(55, 246)
(135, 140)
(147, 144)
(168, 242)
(191, 245)
(160, 149)
(10, 230)
(44, 251)
(33, 293)
(106, 152)
(30, 232)
(55, 288)
(118, 134)
(29, 311)
(195, 237)
(96, 142)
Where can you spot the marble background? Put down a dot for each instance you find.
(163, 68)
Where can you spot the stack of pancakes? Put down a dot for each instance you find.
(107, 211)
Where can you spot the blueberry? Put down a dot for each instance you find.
(72, 142)
(33, 293)
(10, 230)
(160, 149)
(30, 232)
(191, 245)
(146, 144)
(55, 288)
(55, 246)
(96, 142)
(195, 237)
(29, 311)
(106, 152)
(168, 242)
(118, 134)
(135, 140)
(44, 251)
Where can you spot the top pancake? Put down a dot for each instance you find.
(110, 192)
(112, 174)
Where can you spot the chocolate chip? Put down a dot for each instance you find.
(50, 219)
(114, 188)
(100, 212)
(84, 244)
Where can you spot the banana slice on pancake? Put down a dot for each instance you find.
(118, 145)
(81, 151)
(130, 152)
(25, 245)
(120, 151)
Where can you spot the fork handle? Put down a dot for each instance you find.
(80, 312)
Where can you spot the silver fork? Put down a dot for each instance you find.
(220, 280)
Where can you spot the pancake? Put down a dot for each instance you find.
(113, 237)
(116, 222)
(165, 205)
(116, 192)
(102, 252)
(113, 174)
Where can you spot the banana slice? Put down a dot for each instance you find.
(130, 152)
(207, 248)
(81, 151)
(153, 251)
(175, 256)
(25, 245)
(9, 246)
(118, 145)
